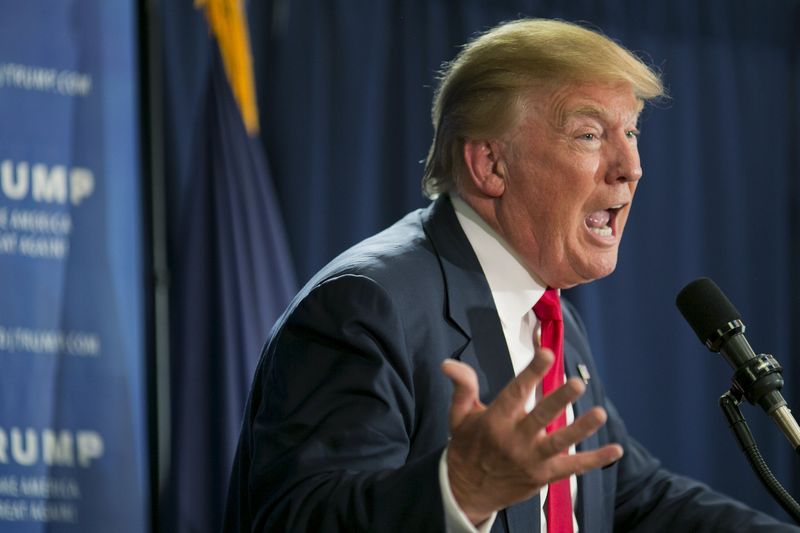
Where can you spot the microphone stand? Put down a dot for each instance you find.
(729, 402)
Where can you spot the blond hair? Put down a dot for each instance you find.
(481, 92)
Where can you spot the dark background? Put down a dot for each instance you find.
(345, 88)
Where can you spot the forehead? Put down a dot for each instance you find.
(610, 103)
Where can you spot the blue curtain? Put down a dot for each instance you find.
(345, 90)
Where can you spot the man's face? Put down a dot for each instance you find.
(571, 170)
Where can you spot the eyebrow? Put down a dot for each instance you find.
(585, 111)
(563, 115)
(588, 111)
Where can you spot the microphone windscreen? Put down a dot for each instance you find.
(705, 307)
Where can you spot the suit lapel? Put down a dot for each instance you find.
(589, 506)
(471, 309)
(470, 306)
(524, 516)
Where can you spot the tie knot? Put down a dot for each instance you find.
(549, 306)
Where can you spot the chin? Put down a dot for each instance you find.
(595, 270)
(602, 271)
(578, 269)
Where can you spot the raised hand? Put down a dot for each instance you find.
(499, 454)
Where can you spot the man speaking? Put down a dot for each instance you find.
(431, 378)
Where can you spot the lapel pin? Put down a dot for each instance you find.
(584, 373)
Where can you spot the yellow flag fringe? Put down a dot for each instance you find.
(227, 21)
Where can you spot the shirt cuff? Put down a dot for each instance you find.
(455, 519)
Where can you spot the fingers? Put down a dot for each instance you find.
(566, 465)
(513, 397)
(555, 445)
(511, 402)
(465, 390)
(584, 426)
(551, 406)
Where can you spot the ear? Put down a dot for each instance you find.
(485, 167)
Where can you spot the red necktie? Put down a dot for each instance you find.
(558, 507)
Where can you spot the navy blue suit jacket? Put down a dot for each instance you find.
(347, 417)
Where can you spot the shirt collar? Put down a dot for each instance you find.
(513, 288)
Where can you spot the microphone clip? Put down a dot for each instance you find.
(758, 377)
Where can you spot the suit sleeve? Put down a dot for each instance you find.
(332, 417)
(652, 499)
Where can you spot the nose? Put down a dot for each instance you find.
(624, 163)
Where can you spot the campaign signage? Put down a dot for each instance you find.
(73, 431)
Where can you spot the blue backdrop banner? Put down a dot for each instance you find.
(73, 436)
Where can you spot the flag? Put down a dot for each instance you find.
(230, 277)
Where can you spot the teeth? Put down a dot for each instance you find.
(605, 231)
(616, 206)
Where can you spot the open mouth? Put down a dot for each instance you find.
(601, 222)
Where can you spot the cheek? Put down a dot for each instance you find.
(588, 167)
(576, 184)
(578, 166)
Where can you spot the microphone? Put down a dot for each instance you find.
(719, 326)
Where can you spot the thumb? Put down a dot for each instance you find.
(465, 390)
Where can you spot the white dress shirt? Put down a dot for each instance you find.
(514, 291)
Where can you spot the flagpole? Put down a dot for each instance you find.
(157, 271)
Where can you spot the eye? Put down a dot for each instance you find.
(632, 134)
(587, 136)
